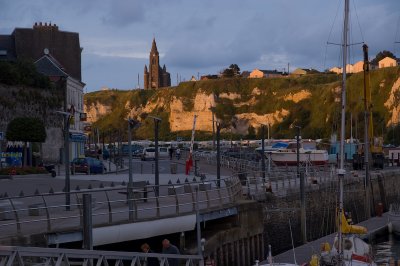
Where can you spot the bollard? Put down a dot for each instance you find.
(379, 209)
(87, 222)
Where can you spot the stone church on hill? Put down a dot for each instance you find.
(155, 77)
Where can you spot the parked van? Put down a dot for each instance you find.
(150, 153)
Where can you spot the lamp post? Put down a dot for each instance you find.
(132, 124)
(218, 155)
(66, 159)
(157, 121)
(263, 152)
(298, 150)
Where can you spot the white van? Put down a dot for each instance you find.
(150, 154)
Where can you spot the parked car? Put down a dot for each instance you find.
(87, 165)
(150, 153)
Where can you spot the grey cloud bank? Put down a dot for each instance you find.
(206, 36)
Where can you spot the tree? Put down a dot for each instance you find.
(26, 129)
(382, 55)
(232, 71)
(235, 68)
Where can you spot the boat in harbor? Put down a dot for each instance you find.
(355, 251)
(394, 218)
(288, 155)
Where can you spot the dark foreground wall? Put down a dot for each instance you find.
(321, 204)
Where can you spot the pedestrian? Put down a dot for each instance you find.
(171, 152)
(178, 153)
(99, 152)
(149, 261)
(168, 248)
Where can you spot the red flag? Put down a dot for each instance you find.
(189, 164)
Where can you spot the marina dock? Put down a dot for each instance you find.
(376, 226)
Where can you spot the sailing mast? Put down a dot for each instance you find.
(341, 170)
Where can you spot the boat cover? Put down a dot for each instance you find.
(352, 229)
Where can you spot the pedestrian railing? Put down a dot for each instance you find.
(42, 213)
(10, 255)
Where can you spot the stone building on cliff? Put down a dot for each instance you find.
(155, 77)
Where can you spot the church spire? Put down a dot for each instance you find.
(154, 46)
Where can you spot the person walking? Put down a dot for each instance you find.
(168, 248)
(171, 152)
(149, 261)
(178, 153)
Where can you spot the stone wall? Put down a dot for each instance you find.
(19, 101)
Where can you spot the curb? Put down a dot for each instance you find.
(6, 177)
(32, 176)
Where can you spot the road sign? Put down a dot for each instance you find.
(1, 135)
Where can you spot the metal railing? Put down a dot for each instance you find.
(51, 256)
(35, 214)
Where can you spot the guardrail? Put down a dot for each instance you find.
(51, 256)
(35, 214)
(283, 181)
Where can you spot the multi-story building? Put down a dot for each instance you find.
(57, 54)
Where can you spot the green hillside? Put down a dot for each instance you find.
(318, 115)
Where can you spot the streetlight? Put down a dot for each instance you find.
(157, 121)
(263, 151)
(67, 116)
(132, 124)
(218, 154)
(298, 150)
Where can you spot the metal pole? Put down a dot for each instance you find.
(66, 162)
(198, 229)
(1, 156)
(218, 155)
(87, 222)
(366, 135)
(342, 171)
(263, 152)
(156, 174)
(303, 209)
(130, 183)
(213, 130)
(298, 151)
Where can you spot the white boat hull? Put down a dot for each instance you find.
(289, 157)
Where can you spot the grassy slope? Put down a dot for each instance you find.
(318, 115)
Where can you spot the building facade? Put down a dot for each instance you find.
(387, 62)
(155, 77)
(256, 73)
(57, 54)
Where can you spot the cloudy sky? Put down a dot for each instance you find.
(204, 36)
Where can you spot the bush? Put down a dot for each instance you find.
(22, 72)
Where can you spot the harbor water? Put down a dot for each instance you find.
(387, 250)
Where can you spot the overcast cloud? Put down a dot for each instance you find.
(205, 36)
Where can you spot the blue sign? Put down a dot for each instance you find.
(77, 137)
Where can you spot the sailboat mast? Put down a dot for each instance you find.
(341, 171)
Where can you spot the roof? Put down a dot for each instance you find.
(388, 57)
(271, 72)
(49, 66)
(7, 50)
